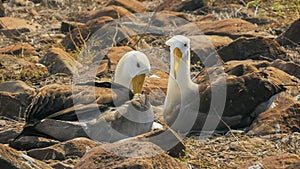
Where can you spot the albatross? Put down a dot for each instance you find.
(119, 107)
(187, 103)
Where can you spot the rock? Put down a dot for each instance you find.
(2, 10)
(282, 160)
(257, 48)
(16, 87)
(113, 55)
(228, 27)
(288, 67)
(77, 37)
(12, 159)
(15, 96)
(156, 88)
(8, 134)
(133, 6)
(165, 139)
(68, 26)
(15, 68)
(69, 149)
(13, 105)
(61, 165)
(219, 41)
(31, 142)
(167, 18)
(12, 27)
(128, 154)
(112, 11)
(291, 36)
(180, 6)
(59, 61)
(9, 129)
(282, 117)
(19, 49)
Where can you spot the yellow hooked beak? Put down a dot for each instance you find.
(137, 83)
(177, 59)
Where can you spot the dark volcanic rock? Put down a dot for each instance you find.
(291, 36)
(15, 96)
(288, 67)
(68, 26)
(31, 142)
(283, 116)
(2, 10)
(180, 6)
(128, 154)
(59, 61)
(257, 48)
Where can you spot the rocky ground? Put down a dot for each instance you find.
(42, 43)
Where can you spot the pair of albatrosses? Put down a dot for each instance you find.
(128, 112)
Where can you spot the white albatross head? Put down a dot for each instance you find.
(180, 51)
(131, 70)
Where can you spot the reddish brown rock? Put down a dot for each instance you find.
(112, 11)
(156, 88)
(19, 49)
(219, 41)
(128, 154)
(116, 53)
(288, 67)
(165, 139)
(12, 159)
(72, 148)
(291, 36)
(279, 161)
(131, 5)
(226, 26)
(257, 48)
(283, 116)
(59, 61)
(12, 27)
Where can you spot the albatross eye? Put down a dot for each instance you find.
(138, 64)
(185, 45)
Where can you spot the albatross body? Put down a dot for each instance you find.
(188, 104)
(120, 106)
